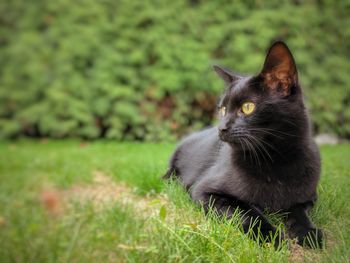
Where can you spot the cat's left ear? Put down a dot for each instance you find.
(227, 75)
(279, 72)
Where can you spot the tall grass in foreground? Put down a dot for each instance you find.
(174, 231)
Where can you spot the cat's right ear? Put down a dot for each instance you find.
(279, 72)
(227, 75)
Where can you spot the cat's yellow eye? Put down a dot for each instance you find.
(248, 108)
(222, 111)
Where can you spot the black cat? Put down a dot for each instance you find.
(261, 156)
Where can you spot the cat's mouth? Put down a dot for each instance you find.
(233, 136)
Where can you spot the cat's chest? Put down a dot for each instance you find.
(274, 195)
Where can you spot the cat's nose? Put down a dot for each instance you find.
(223, 127)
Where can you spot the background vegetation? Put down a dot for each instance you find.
(142, 69)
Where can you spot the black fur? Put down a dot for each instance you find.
(266, 160)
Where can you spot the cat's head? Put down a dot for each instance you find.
(264, 109)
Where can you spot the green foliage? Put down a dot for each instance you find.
(141, 69)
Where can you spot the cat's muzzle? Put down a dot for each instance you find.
(233, 135)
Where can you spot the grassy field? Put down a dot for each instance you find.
(68, 201)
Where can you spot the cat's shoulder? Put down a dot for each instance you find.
(198, 147)
(207, 134)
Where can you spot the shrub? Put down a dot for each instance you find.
(142, 69)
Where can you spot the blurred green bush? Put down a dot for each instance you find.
(142, 69)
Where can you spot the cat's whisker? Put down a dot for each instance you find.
(255, 154)
(270, 132)
(263, 151)
(249, 148)
(242, 145)
(269, 145)
(278, 131)
(259, 144)
(273, 132)
(289, 122)
(245, 145)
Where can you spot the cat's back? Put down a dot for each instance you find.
(195, 154)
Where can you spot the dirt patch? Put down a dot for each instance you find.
(298, 254)
(102, 193)
(51, 199)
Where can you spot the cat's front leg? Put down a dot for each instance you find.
(252, 219)
(300, 226)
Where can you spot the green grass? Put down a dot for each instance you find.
(177, 232)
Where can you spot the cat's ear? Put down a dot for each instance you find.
(227, 75)
(279, 72)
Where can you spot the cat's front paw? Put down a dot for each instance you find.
(310, 237)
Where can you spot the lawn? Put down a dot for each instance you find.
(71, 201)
